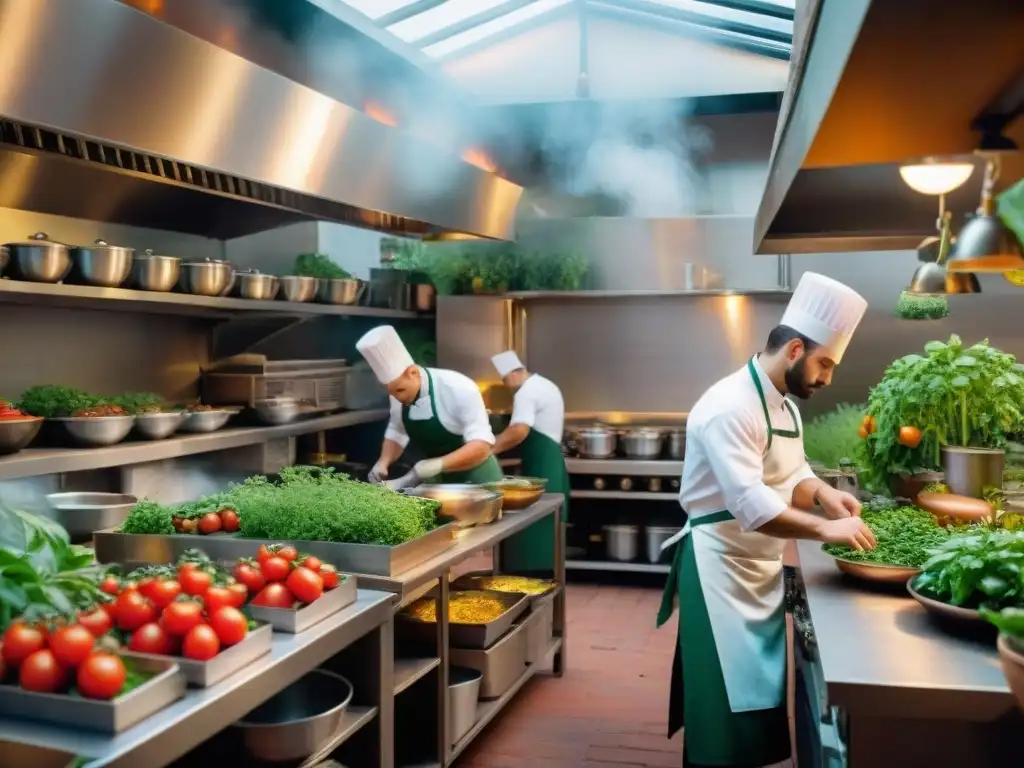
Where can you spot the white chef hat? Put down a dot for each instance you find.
(826, 311)
(506, 362)
(385, 352)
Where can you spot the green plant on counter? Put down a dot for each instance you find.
(318, 265)
(905, 536)
(1009, 621)
(912, 306)
(52, 401)
(137, 402)
(832, 437)
(978, 568)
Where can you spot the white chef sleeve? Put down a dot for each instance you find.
(732, 440)
(524, 407)
(465, 403)
(396, 428)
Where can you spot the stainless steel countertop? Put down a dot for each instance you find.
(883, 655)
(171, 733)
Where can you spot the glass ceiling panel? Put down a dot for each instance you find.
(483, 31)
(377, 8)
(444, 15)
(729, 14)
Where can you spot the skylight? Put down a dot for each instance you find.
(445, 15)
(490, 28)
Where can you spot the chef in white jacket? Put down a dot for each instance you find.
(438, 411)
(746, 489)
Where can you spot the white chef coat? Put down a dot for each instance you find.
(539, 405)
(726, 439)
(460, 408)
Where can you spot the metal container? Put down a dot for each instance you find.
(471, 635)
(675, 443)
(298, 620)
(101, 264)
(424, 297)
(294, 723)
(501, 665)
(346, 291)
(157, 426)
(622, 542)
(969, 471)
(211, 277)
(17, 434)
(205, 421)
(319, 385)
(643, 443)
(656, 536)
(251, 284)
(163, 689)
(203, 674)
(277, 410)
(152, 272)
(40, 259)
(95, 431)
(83, 513)
(595, 442)
(371, 559)
(463, 696)
(298, 288)
(517, 496)
(539, 628)
(467, 505)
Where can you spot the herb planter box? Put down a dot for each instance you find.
(295, 620)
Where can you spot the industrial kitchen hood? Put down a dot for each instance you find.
(873, 84)
(110, 114)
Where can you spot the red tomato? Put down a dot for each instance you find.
(187, 566)
(145, 587)
(215, 598)
(275, 569)
(21, 641)
(101, 676)
(239, 594)
(150, 638)
(110, 585)
(181, 616)
(41, 673)
(97, 621)
(164, 593)
(263, 553)
(194, 581)
(133, 610)
(249, 573)
(111, 610)
(330, 577)
(306, 585)
(229, 520)
(209, 523)
(201, 643)
(312, 562)
(288, 553)
(274, 596)
(71, 645)
(230, 625)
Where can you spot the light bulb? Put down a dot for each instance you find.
(936, 178)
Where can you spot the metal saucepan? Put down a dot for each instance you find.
(595, 442)
(152, 272)
(39, 259)
(642, 442)
(347, 291)
(675, 440)
(298, 288)
(252, 284)
(101, 264)
(210, 277)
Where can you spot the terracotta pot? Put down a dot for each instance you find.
(1013, 667)
(910, 486)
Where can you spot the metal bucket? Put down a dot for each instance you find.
(463, 696)
(656, 536)
(622, 542)
(969, 471)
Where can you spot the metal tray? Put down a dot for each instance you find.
(501, 664)
(203, 674)
(473, 635)
(472, 580)
(294, 621)
(166, 687)
(128, 549)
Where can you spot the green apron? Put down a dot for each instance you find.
(533, 550)
(433, 440)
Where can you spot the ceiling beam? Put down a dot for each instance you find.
(761, 7)
(508, 33)
(470, 22)
(407, 12)
(702, 20)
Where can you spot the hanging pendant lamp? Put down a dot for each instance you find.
(986, 244)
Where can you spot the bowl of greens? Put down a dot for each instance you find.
(1010, 623)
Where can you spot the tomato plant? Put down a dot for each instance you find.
(275, 568)
(71, 645)
(248, 573)
(230, 625)
(21, 641)
(201, 643)
(41, 673)
(101, 676)
(150, 638)
(181, 616)
(305, 584)
(274, 595)
(194, 581)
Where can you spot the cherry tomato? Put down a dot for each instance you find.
(41, 673)
(181, 616)
(146, 586)
(71, 645)
(274, 596)
(312, 562)
(188, 526)
(97, 621)
(306, 585)
(110, 585)
(275, 569)
(249, 573)
(230, 625)
(150, 638)
(239, 594)
(21, 641)
(229, 520)
(209, 523)
(263, 553)
(288, 553)
(101, 676)
(133, 610)
(862, 432)
(215, 598)
(330, 577)
(201, 643)
(194, 581)
(164, 593)
(910, 437)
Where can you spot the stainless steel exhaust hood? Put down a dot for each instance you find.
(112, 115)
(873, 84)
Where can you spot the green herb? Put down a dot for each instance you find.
(318, 265)
(832, 437)
(1009, 621)
(880, 503)
(52, 401)
(913, 306)
(980, 568)
(134, 402)
(148, 517)
(905, 536)
(935, 488)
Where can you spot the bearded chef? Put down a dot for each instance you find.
(439, 412)
(538, 416)
(747, 489)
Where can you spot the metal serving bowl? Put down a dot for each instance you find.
(151, 272)
(210, 277)
(40, 259)
(348, 291)
(205, 421)
(518, 496)
(100, 264)
(82, 514)
(277, 410)
(16, 434)
(298, 288)
(157, 426)
(96, 431)
(293, 724)
(467, 505)
(255, 285)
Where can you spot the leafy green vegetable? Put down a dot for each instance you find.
(913, 306)
(54, 401)
(979, 568)
(133, 402)
(880, 503)
(905, 536)
(1009, 621)
(832, 437)
(148, 517)
(318, 265)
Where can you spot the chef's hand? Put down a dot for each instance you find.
(849, 532)
(838, 504)
(408, 480)
(379, 473)
(428, 468)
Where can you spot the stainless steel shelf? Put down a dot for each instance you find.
(657, 468)
(126, 300)
(611, 565)
(408, 671)
(762, 293)
(45, 461)
(635, 495)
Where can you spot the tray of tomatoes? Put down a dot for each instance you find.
(68, 674)
(293, 591)
(191, 612)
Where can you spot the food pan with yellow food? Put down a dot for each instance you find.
(518, 492)
(476, 618)
(506, 582)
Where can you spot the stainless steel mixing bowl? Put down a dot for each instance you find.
(205, 421)
(211, 277)
(152, 272)
(251, 284)
(82, 514)
(157, 426)
(348, 291)
(101, 264)
(298, 288)
(96, 431)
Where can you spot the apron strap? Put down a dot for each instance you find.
(795, 432)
